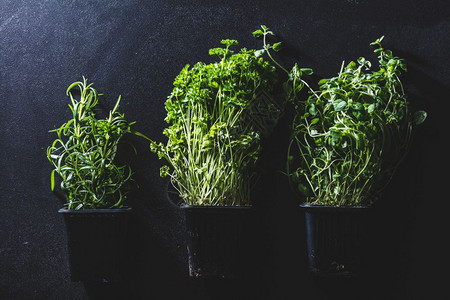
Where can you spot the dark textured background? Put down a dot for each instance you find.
(136, 48)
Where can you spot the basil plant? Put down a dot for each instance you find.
(350, 135)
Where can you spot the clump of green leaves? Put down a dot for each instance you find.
(83, 153)
(217, 114)
(350, 135)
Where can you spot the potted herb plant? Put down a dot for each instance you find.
(347, 140)
(95, 212)
(218, 114)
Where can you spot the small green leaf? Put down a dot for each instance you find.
(214, 84)
(339, 105)
(323, 81)
(312, 109)
(335, 136)
(307, 71)
(314, 121)
(260, 52)
(52, 180)
(78, 83)
(357, 106)
(277, 46)
(229, 42)
(419, 117)
(258, 33)
(357, 114)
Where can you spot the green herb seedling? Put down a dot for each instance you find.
(349, 137)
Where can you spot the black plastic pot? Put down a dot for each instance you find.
(96, 243)
(335, 239)
(217, 240)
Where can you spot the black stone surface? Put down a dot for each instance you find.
(135, 49)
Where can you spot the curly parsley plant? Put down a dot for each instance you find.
(217, 115)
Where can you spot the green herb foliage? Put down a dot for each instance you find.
(84, 151)
(294, 83)
(350, 135)
(217, 114)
